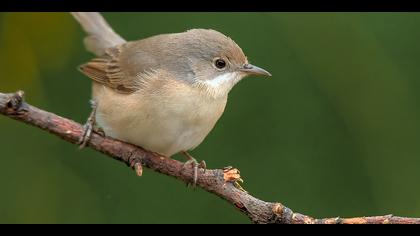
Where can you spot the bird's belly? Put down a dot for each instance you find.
(159, 133)
(165, 126)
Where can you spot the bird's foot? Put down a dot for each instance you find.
(195, 165)
(232, 175)
(90, 126)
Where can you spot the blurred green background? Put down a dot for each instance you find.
(334, 132)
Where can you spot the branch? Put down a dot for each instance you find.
(217, 181)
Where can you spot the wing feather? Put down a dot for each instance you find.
(106, 70)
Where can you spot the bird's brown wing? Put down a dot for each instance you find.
(106, 70)
(130, 66)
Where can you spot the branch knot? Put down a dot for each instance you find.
(12, 103)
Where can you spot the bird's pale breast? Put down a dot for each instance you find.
(165, 118)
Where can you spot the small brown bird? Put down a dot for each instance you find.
(164, 93)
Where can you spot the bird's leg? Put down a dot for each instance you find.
(195, 165)
(89, 126)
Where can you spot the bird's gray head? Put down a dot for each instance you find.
(212, 60)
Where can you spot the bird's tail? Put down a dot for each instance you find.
(100, 35)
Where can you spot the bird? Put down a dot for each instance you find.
(163, 93)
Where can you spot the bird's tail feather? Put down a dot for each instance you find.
(100, 35)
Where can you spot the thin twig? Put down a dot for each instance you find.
(217, 181)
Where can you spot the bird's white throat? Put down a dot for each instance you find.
(221, 84)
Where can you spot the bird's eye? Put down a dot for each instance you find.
(220, 63)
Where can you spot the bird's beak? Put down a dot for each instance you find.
(254, 70)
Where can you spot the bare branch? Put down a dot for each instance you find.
(215, 181)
